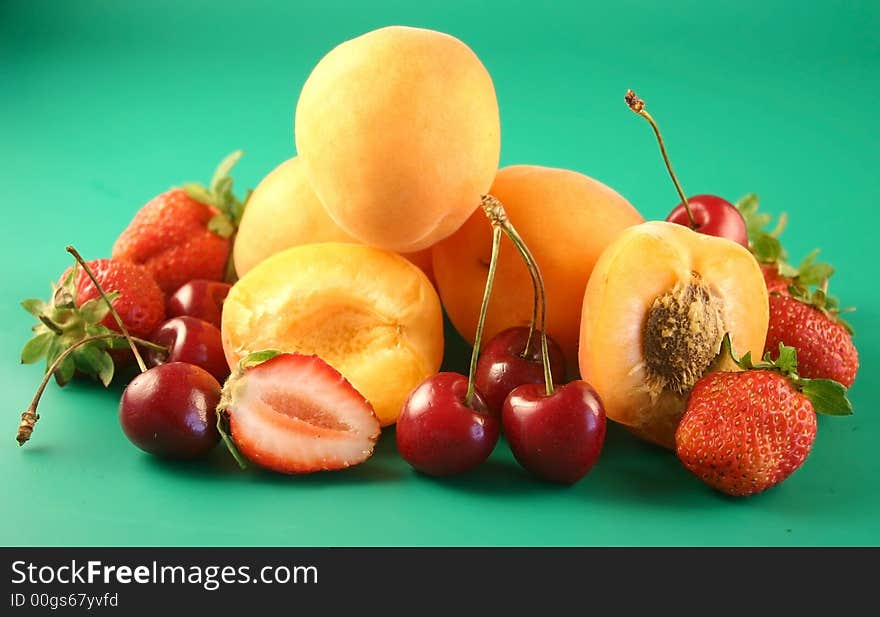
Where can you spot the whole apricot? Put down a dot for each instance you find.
(284, 212)
(369, 313)
(566, 218)
(655, 311)
(400, 135)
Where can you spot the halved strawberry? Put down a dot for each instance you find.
(295, 414)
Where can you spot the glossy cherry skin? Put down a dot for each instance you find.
(502, 365)
(557, 437)
(438, 434)
(190, 340)
(170, 411)
(714, 216)
(199, 298)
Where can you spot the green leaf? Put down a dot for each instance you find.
(814, 274)
(221, 226)
(258, 357)
(37, 347)
(828, 396)
(65, 371)
(747, 204)
(199, 193)
(224, 168)
(95, 310)
(786, 361)
(34, 306)
(106, 368)
(226, 435)
(786, 269)
(766, 248)
(63, 298)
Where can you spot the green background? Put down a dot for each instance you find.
(104, 104)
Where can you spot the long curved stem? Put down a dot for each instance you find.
(487, 293)
(29, 417)
(122, 328)
(494, 210)
(532, 264)
(638, 106)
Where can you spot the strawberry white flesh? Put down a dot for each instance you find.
(297, 414)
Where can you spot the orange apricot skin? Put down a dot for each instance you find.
(566, 219)
(400, 135)
(645, 262)
(283, 212)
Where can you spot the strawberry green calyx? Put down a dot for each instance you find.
(219, 194)
(827, 396)
(251, 360)
(767, 248)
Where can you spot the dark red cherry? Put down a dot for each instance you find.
(170, 411)
(558, 436)
(502, 365)
(190, 340)
(439, 434)
(199, 298)
(713, 216)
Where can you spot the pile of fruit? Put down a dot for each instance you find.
(296, 323)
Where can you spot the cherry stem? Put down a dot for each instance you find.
(533, 324)
(484, 307)
(30, 416)
(638, 106)
(494, 209)
(122, 328)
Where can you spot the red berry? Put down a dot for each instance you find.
(503, 365)
(439, 434)
(200, 298)
(140, 304)
(192, 341)
(169, 411)
(170, 237)
(746, 431)
(776, 283)
(713, 216)
(824, 347)
(558, 436)
(297, 414)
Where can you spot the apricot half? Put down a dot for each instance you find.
(566, 219)
(284, 212)
(400, 135)
(369, 313)
(656, 309)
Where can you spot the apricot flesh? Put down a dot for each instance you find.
(566, 219)
(655, 311)
(284, 212)
(399, 133)
(369, 313)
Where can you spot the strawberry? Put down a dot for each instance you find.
(295, 414)
(76, 312)
(140, 302)
(744, 432)
(185, 233)
(810, 324)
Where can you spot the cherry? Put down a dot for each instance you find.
(170, 411)
(705, 214)
(199, 298)
(556, 436)
(191, 340)
(440, 432)
(444, 427)
(512, 358)
(713, 216)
